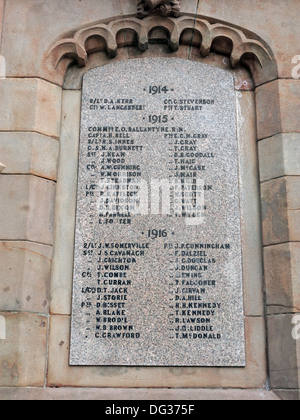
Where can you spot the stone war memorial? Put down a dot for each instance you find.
(149, 200)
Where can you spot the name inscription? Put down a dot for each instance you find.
(157, 266)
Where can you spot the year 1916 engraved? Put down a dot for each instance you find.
(155, 233)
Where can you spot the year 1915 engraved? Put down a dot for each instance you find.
(158, 119)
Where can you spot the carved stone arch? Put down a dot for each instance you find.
(244, 49)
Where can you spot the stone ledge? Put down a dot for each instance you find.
(159, 394)
(288, 394)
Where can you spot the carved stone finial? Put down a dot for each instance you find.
(159, 7)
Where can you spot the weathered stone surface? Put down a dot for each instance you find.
(62, 271)
(242, 78)
(248, 15)
(284, 353)
(288, 394)
(276, 104)
(75, 74)
(61, 374)
(30, 19)
(250, 206)
(27, 208)
(162, 8)
(241, 48)
(29, 153)
(280, 210)
(1, 21)
(118, 394)
(25, 277)
(282, 273)
(279, 156)
(188, 6)
(294, 223)
(30, 105)
(23, 352)
(268, 110)
(159, 51)
(128, 7)
(26, 58)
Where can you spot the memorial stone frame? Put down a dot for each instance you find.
(177, 40)
(268, 212)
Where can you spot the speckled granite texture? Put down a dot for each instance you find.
(158, 289)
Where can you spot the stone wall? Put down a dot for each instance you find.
(39, 146)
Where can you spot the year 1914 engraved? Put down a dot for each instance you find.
(154, 90)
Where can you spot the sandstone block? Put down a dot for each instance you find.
(288, 394)
(29, 153)
(26, 58)
(25, 277)
(282, 273)
(62, 270)
(119, 394)
(280, 210)
(1, 18)
(279, 156)
(250, 206)
(284, 353)
(27, 208)
(276, 105)
(23, 351)
(30, 105)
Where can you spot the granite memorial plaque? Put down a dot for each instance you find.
(158, 260)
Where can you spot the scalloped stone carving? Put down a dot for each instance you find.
(248, 52)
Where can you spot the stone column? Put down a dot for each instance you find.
(29, 132)
(279, 150)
